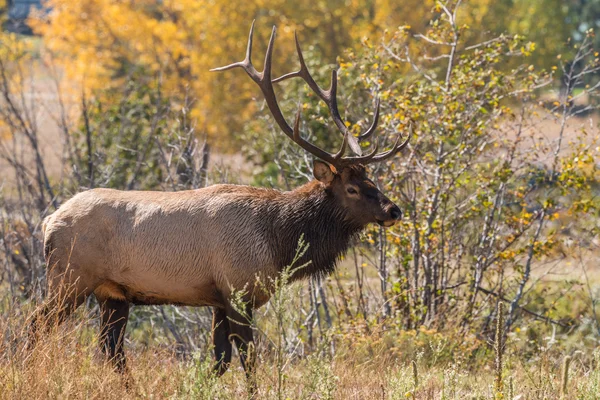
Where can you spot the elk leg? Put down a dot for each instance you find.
(114, 314)
(220, 328)
(65, 294)
(52, 314)
(241, 332)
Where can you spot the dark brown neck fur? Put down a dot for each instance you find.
(311, 211)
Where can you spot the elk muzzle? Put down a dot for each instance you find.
(393, 215)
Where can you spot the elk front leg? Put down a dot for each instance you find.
(221, 331)
(240, 327)
(114, 314)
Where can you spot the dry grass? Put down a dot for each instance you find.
(67, 364)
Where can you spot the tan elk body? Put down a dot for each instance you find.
(190, 247)
(160, 247)
(196, 247)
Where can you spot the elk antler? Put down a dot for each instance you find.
(264, 81)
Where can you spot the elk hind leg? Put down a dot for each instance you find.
(65, 293)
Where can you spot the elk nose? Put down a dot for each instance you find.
(395, 212)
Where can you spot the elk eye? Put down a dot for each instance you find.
(351, 190)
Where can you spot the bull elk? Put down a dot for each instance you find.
(198, 247)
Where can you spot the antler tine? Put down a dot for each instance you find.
(395, 149)
(331, 101)
(314, 150)
(266, 74)
(373, 126)
(246, 64)
(362, 159)
(249, 45)
(338, 156)
(301, 73)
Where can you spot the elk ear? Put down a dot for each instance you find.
(323, 172)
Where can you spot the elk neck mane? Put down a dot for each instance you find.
(312, 212)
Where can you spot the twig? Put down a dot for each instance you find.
(527, 311)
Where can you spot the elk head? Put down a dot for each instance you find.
(343, 176)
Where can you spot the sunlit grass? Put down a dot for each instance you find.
(67, 364)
